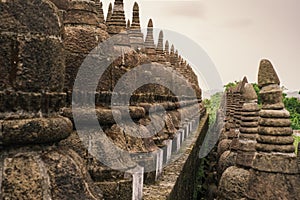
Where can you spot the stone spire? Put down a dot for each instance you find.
(242, 84)
(117, 21)
(117, 25)
(160, 44)
(173, 56)
(99, 9)
(172, 49)
(234, 181)
(135, 35)
(100, 15)
(275, 159)
(167, 48)
(239, 101)
(109, 14)
(248, 127)
(149, 43)
(167, 52)
(275, 133)
(136, 17)
(227, 148)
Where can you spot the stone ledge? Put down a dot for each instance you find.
(172, 184)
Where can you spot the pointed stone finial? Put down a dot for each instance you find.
(167, 47)
(173, 57)
(150, 23)
(160, 48)
(245, 80)
(109, 13)
(172, 49)
(176, 53)
(149, 43)
(136, 16)
(160, 44)
(135, 35)
(136, 6)
(241, 84)
(249, 93)
(128, 24)
(267, 74)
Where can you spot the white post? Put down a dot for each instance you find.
(159, 163)
(169, 150)
(137, 183)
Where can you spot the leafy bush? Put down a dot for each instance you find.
(296, 143)
(293, 106)
(231, 84)
(213, 105)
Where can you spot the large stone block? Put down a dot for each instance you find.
(35, 131)
(263, 185)
(29, 65)
(233, 184)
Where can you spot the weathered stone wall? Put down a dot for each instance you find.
(32, 66)
(43, 44)
(185, 183)
(175, 176)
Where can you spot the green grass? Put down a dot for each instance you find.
(296, 143)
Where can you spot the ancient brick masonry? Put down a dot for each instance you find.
(82, 33)
(32, 66)
(42, 49)
(266, 165)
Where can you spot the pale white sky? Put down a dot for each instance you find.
(236, 34)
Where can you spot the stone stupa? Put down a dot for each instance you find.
(274, 173)
(234, 181)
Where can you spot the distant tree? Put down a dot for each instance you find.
(293, 106)
(230, 84)
(257, 90)
(212, 105)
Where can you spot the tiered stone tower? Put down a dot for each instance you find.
(117, 21)
(234, 181)
(99, 9)
(160, 48)
(149, 42)
(248, 128)
(275, 160)
(135, 35)
(109, 14)
(229, 143)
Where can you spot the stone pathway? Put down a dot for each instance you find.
(163, 188)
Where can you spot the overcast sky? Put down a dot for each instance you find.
(236, 34)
